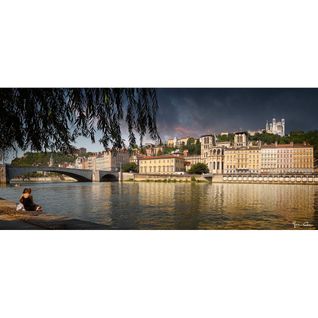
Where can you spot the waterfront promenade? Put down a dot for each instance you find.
(10, 219)
(223, 178)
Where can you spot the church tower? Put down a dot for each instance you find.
(283, 127)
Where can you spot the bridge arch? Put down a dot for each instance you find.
(80, 175)
(106, 176)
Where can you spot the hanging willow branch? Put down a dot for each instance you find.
(52, 118)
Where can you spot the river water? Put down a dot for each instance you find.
(153, 205)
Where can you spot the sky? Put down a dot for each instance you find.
(196, 111)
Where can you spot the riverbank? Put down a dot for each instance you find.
(136, 177)
(237, 179)
(10, 219)
(42, 180)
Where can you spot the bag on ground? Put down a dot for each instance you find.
(20, 207)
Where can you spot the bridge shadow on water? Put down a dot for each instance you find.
(108, 178)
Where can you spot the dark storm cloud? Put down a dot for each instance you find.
(187, 111)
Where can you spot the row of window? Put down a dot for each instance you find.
(159, 169)
(156, 161)
(216, 165)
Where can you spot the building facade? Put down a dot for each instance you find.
(242, 160)
(91, 162)
(212, 154)
(172, 142)
(177, 142)
(240, 139)
(81, 163)
(286, 159)
(111, 160)
(161, 164)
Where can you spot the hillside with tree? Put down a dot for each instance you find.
(297, 137)
(42, 159)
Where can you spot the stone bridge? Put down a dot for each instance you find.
(8, 172)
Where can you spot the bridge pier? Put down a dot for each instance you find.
(95, 176)
(3, 174)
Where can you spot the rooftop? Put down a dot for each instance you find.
(161, 157)
(291, 145)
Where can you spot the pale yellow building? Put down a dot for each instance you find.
(177, 142)
(290, 158)
(161, 164)
(172, 142)
(91, 163)
(81, 163)
(242, 160)
(111, 160)
(240, 139)
(182, 141)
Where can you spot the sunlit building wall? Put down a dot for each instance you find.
(242, 160)
(161, 164)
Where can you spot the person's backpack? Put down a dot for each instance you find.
(20, 207)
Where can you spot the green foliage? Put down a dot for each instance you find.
(42, 159)
(52, 118)
(193, 179)
(223, 138)
(159, 153)
(265, 138)
(194, 147)
(199, 168)
(168, 151)
(86, 155)
(130, 167)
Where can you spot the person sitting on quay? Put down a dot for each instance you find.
(27, 200)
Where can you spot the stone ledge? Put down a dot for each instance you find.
(10, 219)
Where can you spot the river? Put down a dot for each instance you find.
(153, 205)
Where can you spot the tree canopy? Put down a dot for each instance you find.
(130, 167)
(199, 168)
(52, 118)
(42, 159)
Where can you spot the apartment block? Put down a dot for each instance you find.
(242, 160)
(161, 164)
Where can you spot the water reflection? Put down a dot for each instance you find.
(180, 205)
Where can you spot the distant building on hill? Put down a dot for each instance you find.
(276, 127)
(240, 139)
(178, 142)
